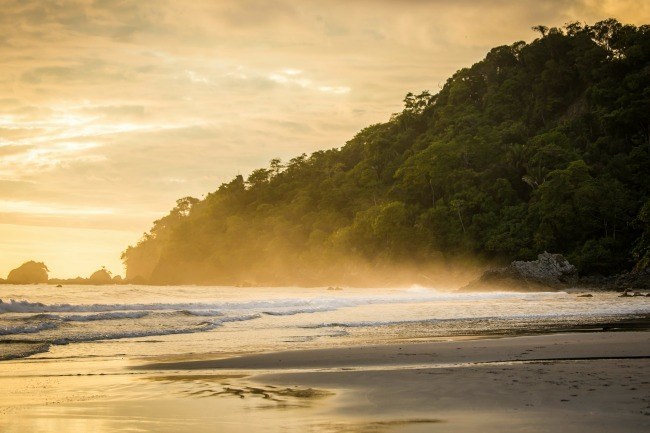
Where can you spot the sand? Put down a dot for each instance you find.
(596, 382)
(526, 348)
(579, 382)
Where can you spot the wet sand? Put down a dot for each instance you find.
(525, 348)
(595, 382)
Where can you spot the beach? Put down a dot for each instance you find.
(295, 360)
(573, 382)
(325, 217)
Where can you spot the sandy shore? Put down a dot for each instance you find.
(529, 348)
(579, 382)
(596, 382)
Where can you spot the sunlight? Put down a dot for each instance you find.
(35, 208)
(324, 216)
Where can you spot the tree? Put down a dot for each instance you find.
(543, 30)
(539, 146)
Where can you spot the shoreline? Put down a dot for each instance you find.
(615, 283)
(639, 322)
(411, 361)
(597, 382)
(619, 325)
(569, 382)
(497, 349)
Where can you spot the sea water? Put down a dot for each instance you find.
(42, 321)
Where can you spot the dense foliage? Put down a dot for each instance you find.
(540, 146)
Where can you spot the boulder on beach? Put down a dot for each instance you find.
(549, 271)
(29, 273)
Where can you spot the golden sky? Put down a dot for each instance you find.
(111, 110)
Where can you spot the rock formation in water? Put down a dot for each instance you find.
(101, 276)
(29, 273)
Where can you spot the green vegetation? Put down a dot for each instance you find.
(540, 146)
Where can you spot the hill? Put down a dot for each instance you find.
(538, 147)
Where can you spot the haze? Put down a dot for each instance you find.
(110, 111)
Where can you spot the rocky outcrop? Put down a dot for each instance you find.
(638, 279)
(549, 271)
(101, 276)
(29, 273)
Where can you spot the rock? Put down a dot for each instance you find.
(59, 285)
(586, 295)
(549, 271)
(637, 279)
(29, 273)
(101, 276)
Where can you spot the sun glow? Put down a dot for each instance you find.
(108, 110)
(30, 207)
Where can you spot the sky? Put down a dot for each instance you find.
(110, 110)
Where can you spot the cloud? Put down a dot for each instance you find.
(117, 113)
(30, 207)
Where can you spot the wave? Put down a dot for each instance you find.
(238, 318)
(275, 306)
(94, 335)
(196, 309)
(116, 315)
(200, 313)
(293, 312)
(80, 338)
(491, 319)
(113, 315)
(15, 351)
(28, 329)
(597, 315)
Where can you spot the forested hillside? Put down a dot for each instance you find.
(538, 147)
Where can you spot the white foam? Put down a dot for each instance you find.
(602, 313)
(323, 303)
(116, 315)
(28, 329)
(201, 313)
(238, 318)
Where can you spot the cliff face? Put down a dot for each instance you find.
(29, 273)
(538, 147)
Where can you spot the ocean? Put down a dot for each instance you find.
(42, 321)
